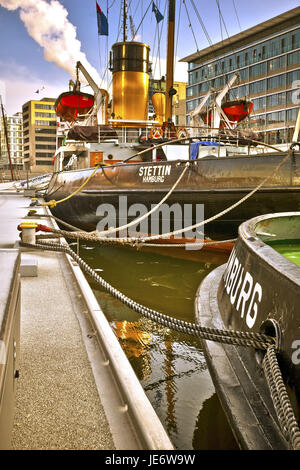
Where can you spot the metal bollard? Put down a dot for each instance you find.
(28, 232)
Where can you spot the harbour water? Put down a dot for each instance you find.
(170, 365)
(290, 249)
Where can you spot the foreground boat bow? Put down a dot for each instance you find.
(257, 290)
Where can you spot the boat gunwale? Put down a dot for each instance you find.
(178, 161)
(253, 428)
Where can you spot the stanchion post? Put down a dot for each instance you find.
(28, 230)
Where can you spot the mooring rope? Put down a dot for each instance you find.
(282, 405)
(280, 398)
(225, 211)
(154, 209)
(258, 341)
(96, 236)
(53, 202)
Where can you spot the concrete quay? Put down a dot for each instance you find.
(76, 389)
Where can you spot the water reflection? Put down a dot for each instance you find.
(170, 365)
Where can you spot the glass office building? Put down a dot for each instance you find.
(267, 59)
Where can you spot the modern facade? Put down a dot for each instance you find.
(14, 140)
(39, 134)
(267, 59)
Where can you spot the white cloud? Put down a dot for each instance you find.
(20, 85)
(159, 69)
(48, 25)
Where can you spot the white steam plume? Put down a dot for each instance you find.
(47, 23)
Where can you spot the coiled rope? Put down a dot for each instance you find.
(258, 341)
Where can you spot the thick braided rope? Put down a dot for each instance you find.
(94, 236)
(241, 338)
(154, 209)
(281, 399)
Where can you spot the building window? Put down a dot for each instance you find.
(257, 70)
(293, 77)
(43, 106)
(276, 100)
(276, 118)
(45, 131)
(277, 63)
(259, 103)
(220, 82)
(291, 114)
(257, 87)
(294, 58)
(43, 162)
(258, 121)
(276, 82)
(293, 96)
(46, 123)
(45, 139)
(41, 155)
(49, 115)
(44, 146)
(244, 75)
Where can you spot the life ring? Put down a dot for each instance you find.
(156, 133)
(182, 133)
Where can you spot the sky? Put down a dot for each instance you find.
(41, 40)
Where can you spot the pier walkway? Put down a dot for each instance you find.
(66, 394)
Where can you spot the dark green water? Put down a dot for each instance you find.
(170, 366)
(289, 249)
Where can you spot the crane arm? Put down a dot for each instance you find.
(198, 108)
(87, 76)
(223, 92)
(101, 96)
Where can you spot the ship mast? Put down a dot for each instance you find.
(170, 61)
(125, 21)
(7, 142)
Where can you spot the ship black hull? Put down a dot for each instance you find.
(236, 370)
(217, 183)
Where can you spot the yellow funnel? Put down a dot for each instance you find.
(130, 69)
(159, 103)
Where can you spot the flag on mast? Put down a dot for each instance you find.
(102, 22)
(157, 13)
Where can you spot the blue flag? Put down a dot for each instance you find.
(157, 13)
(102, 22)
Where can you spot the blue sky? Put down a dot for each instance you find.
(24, 67)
